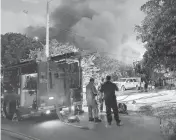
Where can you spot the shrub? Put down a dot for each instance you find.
(167, 115)
(146, 110)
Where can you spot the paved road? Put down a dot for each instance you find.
(135, 128)
(130, 92)
(7, 137)
(134, 91)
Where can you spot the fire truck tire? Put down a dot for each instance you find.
(9, 109)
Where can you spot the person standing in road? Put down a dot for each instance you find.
(91, 93)
(101, 100)
(109, 88)
(76, 99)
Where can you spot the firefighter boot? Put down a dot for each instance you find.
(119, 123)
(97, 120)
(91, 119)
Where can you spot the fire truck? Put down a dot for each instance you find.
(29, 89)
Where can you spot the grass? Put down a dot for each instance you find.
(167, 115)
(160, 104)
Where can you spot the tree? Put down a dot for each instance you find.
(55, 48)
(16, 47)
(112, 67)
(143, 71)
(90, 70)
(157, 31)
(106, 65)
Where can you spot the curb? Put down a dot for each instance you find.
(19, 135)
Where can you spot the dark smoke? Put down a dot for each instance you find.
(63, 18)
(104, 25)
(124, 38)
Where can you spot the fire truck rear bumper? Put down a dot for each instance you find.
(47, 110)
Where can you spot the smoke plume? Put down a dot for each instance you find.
(103, 25)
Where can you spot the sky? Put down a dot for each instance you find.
(103, 25)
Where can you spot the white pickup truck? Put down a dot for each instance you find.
(128, 83)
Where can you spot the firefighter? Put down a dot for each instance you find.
(76, 97)
(101, 100)
(109, 88)
(91, 93)
(78, 107)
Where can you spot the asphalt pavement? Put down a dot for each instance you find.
(135, 128)
(128, 92)
(133, 92)
(7, 137)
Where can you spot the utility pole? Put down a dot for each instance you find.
(46, 49)
(47, 30)
(47, 55)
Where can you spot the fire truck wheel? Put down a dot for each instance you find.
(9, 109)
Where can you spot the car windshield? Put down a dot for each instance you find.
(135, 80)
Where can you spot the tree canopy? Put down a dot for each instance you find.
(158, 32)
(55, 48)
(98, 66)
(16, 47)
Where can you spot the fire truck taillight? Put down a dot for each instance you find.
(51, 98)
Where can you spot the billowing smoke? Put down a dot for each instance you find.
(63, 20)
(103, 25)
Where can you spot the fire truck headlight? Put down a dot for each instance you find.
(48, 112)
(51, 98)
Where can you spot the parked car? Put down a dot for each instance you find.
(129, 83)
